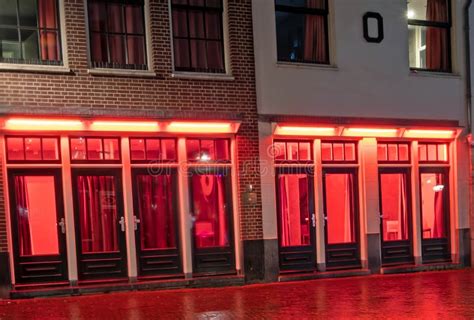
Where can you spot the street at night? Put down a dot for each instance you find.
(430, 295)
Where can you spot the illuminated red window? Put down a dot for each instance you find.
(433, 152)
(434, 204)
(338, 152)
(208, 150)
(393, 152)
(33, 149)
(292, 151)
(151, 149)
(93, 149)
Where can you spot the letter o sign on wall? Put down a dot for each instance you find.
(373, 27)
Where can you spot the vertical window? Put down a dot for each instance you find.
(394, 203)
(302, 31)
(29, 32)
(434, 209)
(198, 35)
(117, 34)
(429, 28)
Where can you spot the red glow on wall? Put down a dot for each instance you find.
(422, 133)
(26, 124)
(305, 131)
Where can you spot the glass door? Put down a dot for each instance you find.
(100, 224)
(38, 227)
(212, 232)
(296, 219)
(434, 189)
(341, 218)
(395, 216)
(156, 229)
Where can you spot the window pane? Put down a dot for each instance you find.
(117, 49)
(434, 215)
(279, 150)
(392, 152)
(292, 148)
(47, 13)
(136, 50)
(209, 201)
(214, 3)
(28, 13)
(301, 37)
(78, 149)
(208, 151)
(403, 152)
(111, 149)
(180, 23)
(15, 149)
(293, 210)
(35, 203)
(198, 54)
(215, 60)
(49, 44)
(155, 211)
(213, 25)
(305, 151)
(382, 152)
(422, 152)
(114, 18)
(196, 24)
(338, 149)
(134, 19)
(316, 4)
(10, 44)
(181, 53)
(29, 45)
(429, 48)
(432, 152)
(94, 149)
(222, 150)
(97, 16)
(33, 148)
(168, 151)
(8, 13)
(137, 149)
(99, 48)
(429, 10)
(153, 149)
(50, 149)
(193, 150)
(350, 152)
(394, 202)
(442, 152)
(340, 207)
(326, 151)
(98, 215)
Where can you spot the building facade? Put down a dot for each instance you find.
(129, 142)
(364, 127)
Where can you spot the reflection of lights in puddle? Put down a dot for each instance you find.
(438, 188)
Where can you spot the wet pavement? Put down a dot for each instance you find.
(430, 295)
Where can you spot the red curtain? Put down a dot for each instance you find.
(340, 208)
(98, 213)
(22, 215)
(315, 34)
(439, 219)
(209, 202)
(437, 38)
(403, 207)
(157, 226)
(47, 19)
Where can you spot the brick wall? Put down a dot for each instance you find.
(80, 90)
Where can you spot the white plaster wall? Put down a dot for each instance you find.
(366, 79)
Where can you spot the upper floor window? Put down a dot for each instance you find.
(302, 31)
(198, 40)
(429, 35)
(29, 32)
(117, 34)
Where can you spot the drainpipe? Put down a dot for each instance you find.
(467, 48)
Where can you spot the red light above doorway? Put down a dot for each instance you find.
(305, 131)
(27, 124)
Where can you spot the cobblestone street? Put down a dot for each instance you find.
(434, 295)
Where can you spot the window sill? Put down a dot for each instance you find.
(202, 76)
(434, 74)
(34, 68)
(302, 65)
(121, 72)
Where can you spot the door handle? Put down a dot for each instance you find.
(325, 220)
(62, 225)
(381, 215)
(136, 222)
(122, 224)
(313, 220)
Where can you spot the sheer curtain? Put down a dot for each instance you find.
(47, 19)
(98, 213)
(315, 34)
(156, 212)
(436, 38)
(22, 214)
(439, 220)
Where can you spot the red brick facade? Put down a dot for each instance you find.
(80, 91)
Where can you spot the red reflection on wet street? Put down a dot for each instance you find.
(432, 295)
